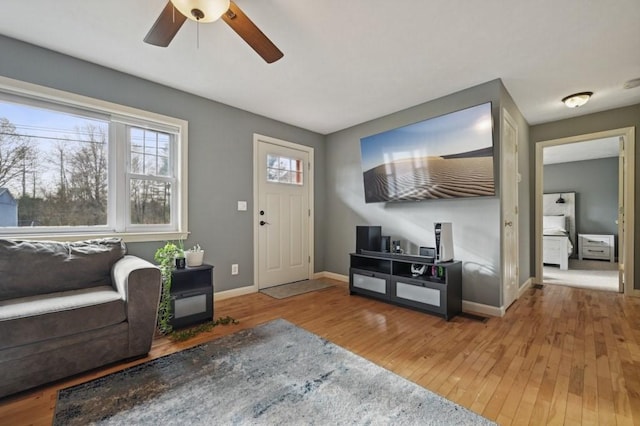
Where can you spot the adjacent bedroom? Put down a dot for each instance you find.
(580, 215)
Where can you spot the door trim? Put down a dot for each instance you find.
(628, 133)
(507, 119)
(257, 138)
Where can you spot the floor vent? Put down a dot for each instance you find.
(538, 286)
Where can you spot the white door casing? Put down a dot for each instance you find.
(509, 198)
(283, 221)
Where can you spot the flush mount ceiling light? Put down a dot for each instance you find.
(577, 99)
(202, 10)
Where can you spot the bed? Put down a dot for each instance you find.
(556, 241)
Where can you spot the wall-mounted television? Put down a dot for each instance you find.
(448, 156)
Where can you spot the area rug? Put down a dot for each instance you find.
(272, 374)
(294, 289)
(591, 274)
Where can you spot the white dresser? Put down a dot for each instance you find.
(596, 246)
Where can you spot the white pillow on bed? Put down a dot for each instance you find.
(555, 223)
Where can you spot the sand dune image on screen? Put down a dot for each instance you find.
(449, 156)
(415, 179)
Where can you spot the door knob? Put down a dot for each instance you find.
(263, 223)
(508, 223)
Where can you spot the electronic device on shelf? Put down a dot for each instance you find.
(418, 269)
(385, 244)
(444, 242)
(368, 238)
(427, 251)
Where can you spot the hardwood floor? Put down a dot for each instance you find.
(560, 355)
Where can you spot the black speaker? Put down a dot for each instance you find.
(368, 238)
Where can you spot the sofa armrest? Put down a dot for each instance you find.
(139, 282)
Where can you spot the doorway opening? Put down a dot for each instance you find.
(584, 210)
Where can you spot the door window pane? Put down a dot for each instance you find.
(284, 170)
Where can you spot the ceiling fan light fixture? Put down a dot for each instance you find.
(577, 99)
(202, 10)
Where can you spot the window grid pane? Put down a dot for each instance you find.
(284, 170)
(150, 152)
(150, 202)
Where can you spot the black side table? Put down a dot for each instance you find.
(191, 296)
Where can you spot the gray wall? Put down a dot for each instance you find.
(476, 221)
(220, 152)
(591, 123)
(595, 183)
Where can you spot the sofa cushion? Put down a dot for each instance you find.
(37, 318)
(29, 268)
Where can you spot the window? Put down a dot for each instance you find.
(284, 170)
(88, 167)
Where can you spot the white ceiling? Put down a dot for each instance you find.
(581, 151)
(347, 62)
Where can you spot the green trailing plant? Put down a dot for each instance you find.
(165, 256)
(182, 335)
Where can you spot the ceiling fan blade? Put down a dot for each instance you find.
(255, 38)
(166, 26)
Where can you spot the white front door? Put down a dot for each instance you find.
(283, 213)
(509, 192)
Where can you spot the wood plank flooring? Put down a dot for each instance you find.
(560, 355)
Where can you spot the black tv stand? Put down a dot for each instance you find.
(389, 277)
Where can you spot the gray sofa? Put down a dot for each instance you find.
(69, 307)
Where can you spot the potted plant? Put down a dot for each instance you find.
(179, 257)
(194, 256)
(166, 258)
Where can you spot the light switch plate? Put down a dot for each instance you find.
(242, 206)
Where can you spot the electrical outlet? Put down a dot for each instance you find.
(234, 269)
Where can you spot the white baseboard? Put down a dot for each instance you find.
(235, 292)
(524, 287)
(331, 275)
(479, 308)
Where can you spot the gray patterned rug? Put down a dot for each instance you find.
(294, 289)
(275, 373)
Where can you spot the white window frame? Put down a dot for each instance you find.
(118, 204)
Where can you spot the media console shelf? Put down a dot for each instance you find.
(388, 277)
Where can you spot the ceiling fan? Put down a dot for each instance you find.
(176, 12)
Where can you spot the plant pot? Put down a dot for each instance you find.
(180, 262)
(194, 258)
